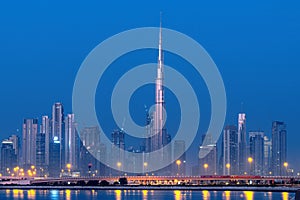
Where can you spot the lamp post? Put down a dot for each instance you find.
(205, 168)
(228, 168)
(178, 163)
(286, 164)
(119, 164)
(69, 166)
(250, 160)
(145, 165)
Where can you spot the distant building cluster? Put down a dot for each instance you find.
(51, 147)
(247, 154)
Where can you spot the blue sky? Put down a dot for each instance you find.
(255, 44)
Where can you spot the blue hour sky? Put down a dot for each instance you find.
(255, 44)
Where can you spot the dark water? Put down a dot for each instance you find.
(138, 194)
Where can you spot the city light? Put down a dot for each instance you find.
(205, 166)
(178, 163)
(250, 160)
(119, 164)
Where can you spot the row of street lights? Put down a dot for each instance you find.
(178, 163)
(20, 172)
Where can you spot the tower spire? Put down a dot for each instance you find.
(160, 53)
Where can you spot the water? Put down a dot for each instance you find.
(139, 194)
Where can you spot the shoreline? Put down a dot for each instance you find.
(166, 188)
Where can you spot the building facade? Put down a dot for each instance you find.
(242, 140)
(230, 154)
(256, 164)
(30, 130)
(8, 157)
(72, 143)
(279, 148)
(57, 131)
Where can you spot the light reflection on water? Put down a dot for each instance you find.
(248, 195)
(285, 196)
(226, 194)
(206, 195)
(140, 194)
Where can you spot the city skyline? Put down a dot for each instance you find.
(54, 149)
(34, 148)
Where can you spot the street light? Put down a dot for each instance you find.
(69, 166)
(145, 165)
(205, 167)
(250, 160)
(286, 164)
(178, 163)
(119, 164)
(228, 168)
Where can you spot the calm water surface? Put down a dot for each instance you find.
(139, 194)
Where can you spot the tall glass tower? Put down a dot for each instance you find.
(57, 133)
(30, 128)
(279, 148)
(242, 151)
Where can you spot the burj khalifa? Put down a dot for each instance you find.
(159, 138)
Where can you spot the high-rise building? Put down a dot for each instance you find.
(267, 156)
(230, 151)
(72, 147)
(8, 156)
(54, 159)
(90, 150)
(90, 137)
(57, 131)
(45, 129)
(208, 164)
(159, 137)
(242, 141)
(118, 144)
(41, 154)
(256, 160)
(179, 157)
(279, 148)
(16, 145)
(30, 128)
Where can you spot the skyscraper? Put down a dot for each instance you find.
(208, 164)
(89, 147)
(90, 137)
(256, 165)
(279, 148)
(158, 133)
(179, 167)
(267, 155)
(230, 151)
(54, 158)
(71, 142)
(159, 118)
(242, 141)
(41, 154)
(118, 144)
(57, 131)
(45, 129)
(16, 145)
(8, 156)
(30, 128)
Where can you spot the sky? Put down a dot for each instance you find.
(255, 45)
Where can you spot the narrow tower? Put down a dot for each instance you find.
(159, 118)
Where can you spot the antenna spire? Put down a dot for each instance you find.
(160, 42)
